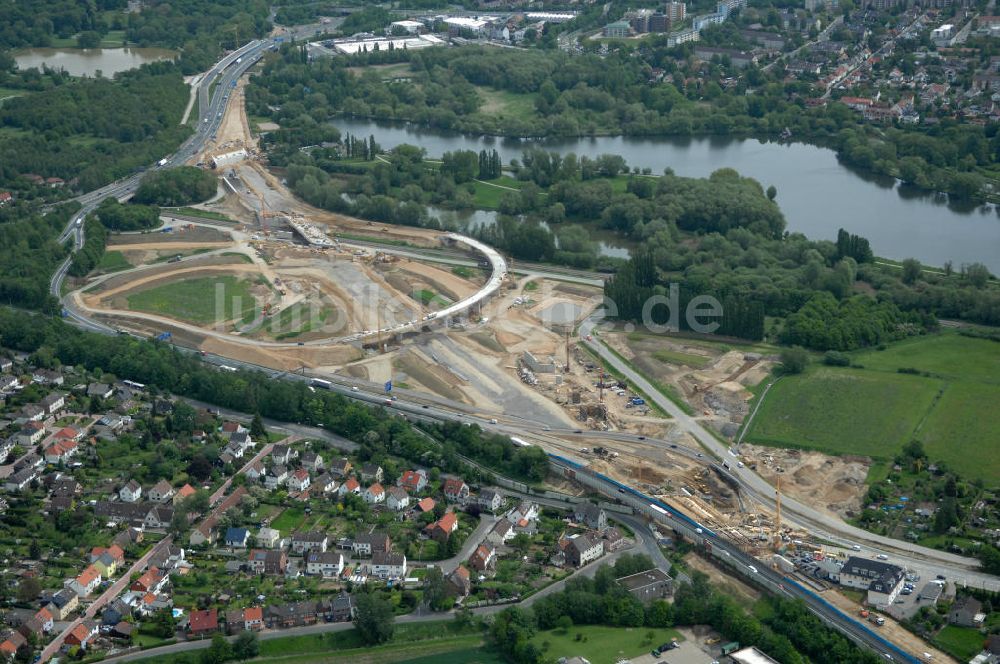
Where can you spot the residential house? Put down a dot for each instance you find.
(6, 364)
(324, 563)
(442, 529)
(30, 434)
(10, 643)
(591, 516)
(374, 494)
(459, 582)
(456, 490)
(183, 494)
(397, 500)
(8, 383)
(388, 565)
(250, 619)
(309, 541)
(425, 505)
(339, 468)
(883, 581)
(53, 403)
(649, 585)
(967, 611)
(5, 197)
(20, 480)
(371, 472)
(115, 612)
(229, 428)
(312, 461)
(151, 581)
(268, 538)
(158, 516)
(107, 560)
(368, 544)
(483, 557)
(489, 500)
(582, 549)
(275, 478)
(82, 634)
(122, 630)
(47, 377)
(161, 491)
(282, 454)
(86, 582)
(32, 412)
(299, 481)
(294, 614)
(202, 622)
(131, 492)
(325, 483)
(272, 562)
(61, 604)
(350, 485)
(128, 537)
(612, 539)
(237, 537)
(501, 533)
(413, 481)
(256, 471)
(60, 451)
(100, 390)
(342, 608)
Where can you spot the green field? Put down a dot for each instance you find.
(677, 357)
(875, 410)
(489, 192)
(113, 261)
(289, 520)
(198, 212)
(503, 104)
(429, 297)
(194, 300)
(601, 645)
(963, 643)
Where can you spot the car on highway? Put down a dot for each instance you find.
(354, 388)
(642, 438)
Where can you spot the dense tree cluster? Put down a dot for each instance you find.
(824, 323)
(38, 22)
(176, 186)
(789, 633)
(92, 131)
(119, 217)
(30, 253)
(162, 366)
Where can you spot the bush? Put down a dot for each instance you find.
(835, 358)
(176, 186)
(794, 360)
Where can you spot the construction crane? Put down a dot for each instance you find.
(777, 514)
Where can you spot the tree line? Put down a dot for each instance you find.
(164, 367)
(30, 253)
(789, 632)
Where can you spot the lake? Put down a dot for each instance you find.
(817, 194)
(88, 61)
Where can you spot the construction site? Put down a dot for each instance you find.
(333, 295)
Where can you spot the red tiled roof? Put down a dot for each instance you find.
(203, 621)
(253, 614)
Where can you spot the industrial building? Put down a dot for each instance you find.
(372, 44)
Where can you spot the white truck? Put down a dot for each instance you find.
(162, 162)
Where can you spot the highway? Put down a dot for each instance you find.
(962, 570)
(227, 72)
(425, 407)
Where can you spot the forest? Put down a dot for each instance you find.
(92, 131)
(173, 187)
(29, 255)
(166, 368)
(584, 95)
